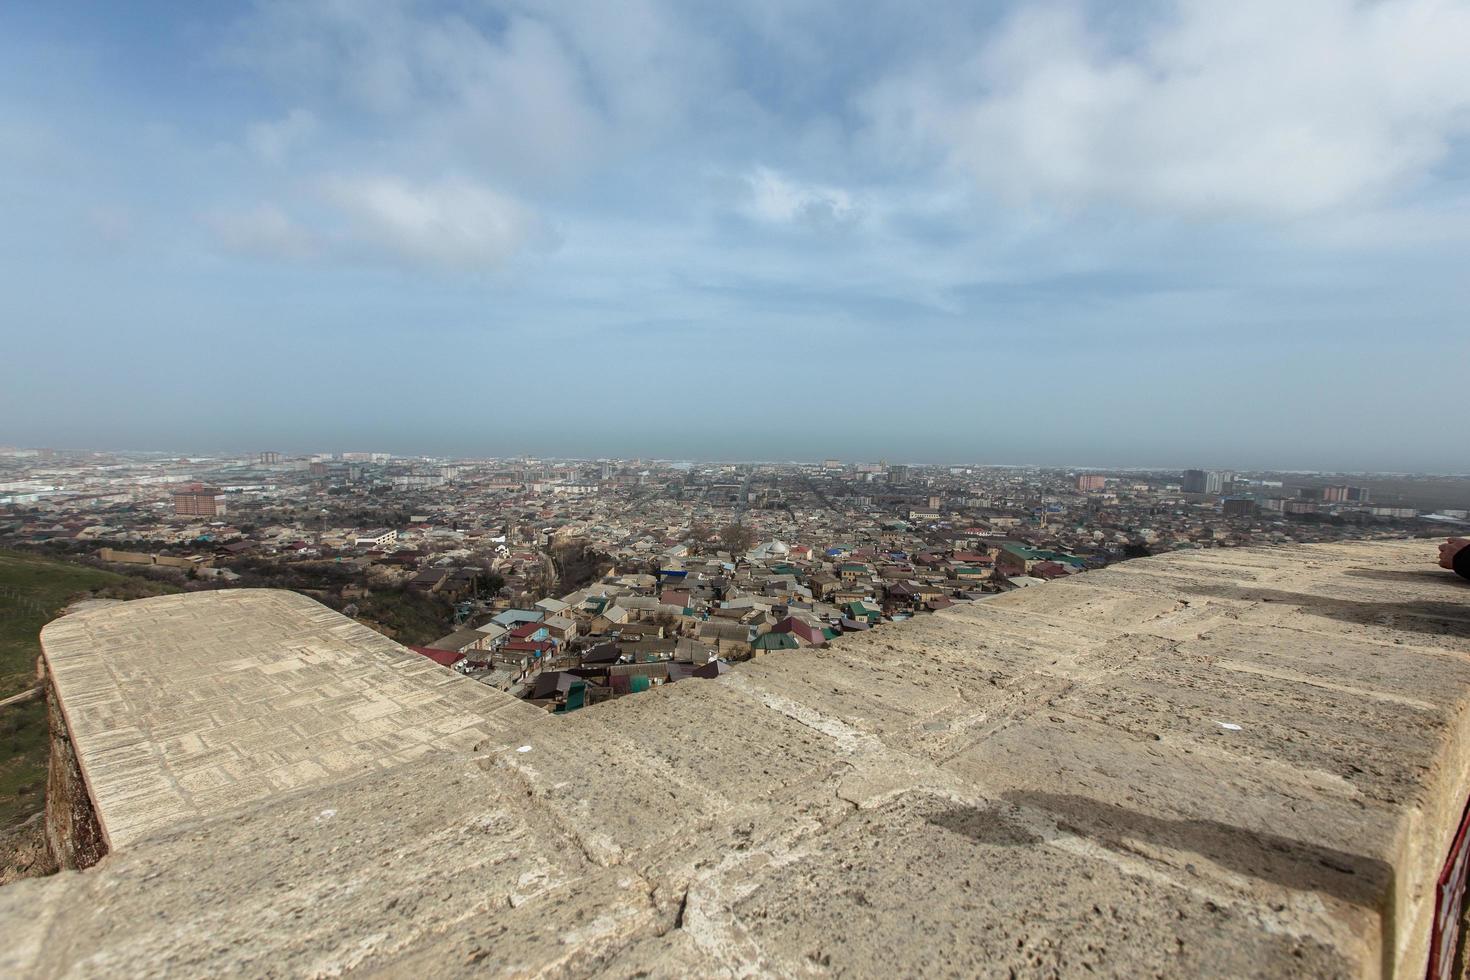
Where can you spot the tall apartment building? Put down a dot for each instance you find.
(197, 500)
(1238, 507)
(269, 459)
(1091, 481)
(1345, 494)
(1207, 481)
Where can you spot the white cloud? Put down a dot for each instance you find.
(272, 141)
(454, 223)
(515, 104)
(1251, 107)
(643, 62)
(263, 230)
(521, 92)
(776, 199)
(353, 50)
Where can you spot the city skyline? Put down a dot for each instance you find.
(882, 463)
(317, 452)
(1178, 234)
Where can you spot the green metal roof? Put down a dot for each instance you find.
(775, 641)
(1040, 554)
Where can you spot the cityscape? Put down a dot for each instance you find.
(570, 582)
(655, 490)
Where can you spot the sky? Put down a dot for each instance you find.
(1160, 233)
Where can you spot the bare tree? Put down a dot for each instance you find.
(737, 538)
(701, 533)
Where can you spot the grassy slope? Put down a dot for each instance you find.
(33, 591)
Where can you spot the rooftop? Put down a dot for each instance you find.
(1220, 762)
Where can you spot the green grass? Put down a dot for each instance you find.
(33, 591)
(24, 748)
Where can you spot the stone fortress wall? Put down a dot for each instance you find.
(1216, 763)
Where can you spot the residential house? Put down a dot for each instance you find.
(561, 629)
(729, 639)
(444, 658)
(610, 618)
(514, 617)
(462, 640)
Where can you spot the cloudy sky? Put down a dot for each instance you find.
(1156, 233)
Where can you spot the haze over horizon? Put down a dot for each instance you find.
(1186, 233)
(982, 462)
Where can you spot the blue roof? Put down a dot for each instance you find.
(513, 616)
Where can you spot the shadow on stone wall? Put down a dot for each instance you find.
(1420, 616)
(1355, 878)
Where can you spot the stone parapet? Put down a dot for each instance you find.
(1221, 763)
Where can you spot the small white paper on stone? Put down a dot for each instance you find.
(524, 748)
(1228, 726)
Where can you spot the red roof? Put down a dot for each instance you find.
(796, 627)
(524, 630)
(444, 658)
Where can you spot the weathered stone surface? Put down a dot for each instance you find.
(1037, 784)
(186, 706)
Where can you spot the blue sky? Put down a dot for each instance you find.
(1185, 233)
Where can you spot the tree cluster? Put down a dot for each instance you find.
(737, 538)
